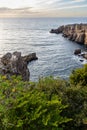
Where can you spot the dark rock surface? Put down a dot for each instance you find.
(15, 64)
(77, 51)
(30, 57)
(74, 32)
(81, 54)
(85, 55)
(57, 31)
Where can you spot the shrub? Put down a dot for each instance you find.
(24, 107)
(79, 76)
(76, 99)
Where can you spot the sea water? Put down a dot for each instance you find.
(55, 53)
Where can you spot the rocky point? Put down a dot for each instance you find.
(15, 64)
(74, 32)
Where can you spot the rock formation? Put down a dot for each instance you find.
(84, 55)
(74, 32)
(77, 51)
(15, 64)
(30, 57)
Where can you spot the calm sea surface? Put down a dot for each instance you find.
(55, 53)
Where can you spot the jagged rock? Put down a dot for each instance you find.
(80, 37)
(57, 31)
(54, 31)
(74, 36)
(77, 51)
(30, 57)
(85, 56)
(6, 58)
(85, 38)
(15, 64)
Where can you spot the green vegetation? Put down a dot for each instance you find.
(49, 104)
(79, 76)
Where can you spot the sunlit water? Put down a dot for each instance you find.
(55, 53)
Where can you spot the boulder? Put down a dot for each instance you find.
(77, 51)
(13, 64)
(54, 31)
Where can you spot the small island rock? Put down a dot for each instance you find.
(77, 51)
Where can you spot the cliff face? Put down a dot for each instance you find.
(74, 32)
(86, 37)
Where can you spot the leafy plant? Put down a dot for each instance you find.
(24, 106)
(79, 76)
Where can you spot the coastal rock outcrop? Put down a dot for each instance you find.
(84, 55)
(15, 64)
(57, 31)
(81, 54)
(30, 57)
(77, 51)
(74, 32)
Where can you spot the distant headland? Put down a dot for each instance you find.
(74, 32)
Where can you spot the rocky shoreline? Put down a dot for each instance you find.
(15, 64)
(81, 54)
(76, 33)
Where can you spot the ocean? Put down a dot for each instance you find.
(55, 53)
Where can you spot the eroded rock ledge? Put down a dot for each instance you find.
(74, 32)
(15, 64)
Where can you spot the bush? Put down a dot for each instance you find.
(79, 76)
(24, 107)
(76, 99)
(49, 104)
(51, 86)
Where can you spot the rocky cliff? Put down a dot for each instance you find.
(74, 32)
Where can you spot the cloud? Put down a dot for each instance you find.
(69, 2)
(44, 8)
(79, 0)
(52, 1)
(21, 12)
(67, 5)
(71, 7)
(4, 9)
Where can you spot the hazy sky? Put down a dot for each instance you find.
(43, 8)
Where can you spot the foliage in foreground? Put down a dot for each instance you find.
(49, 104)
(25, 107)
(79, 76)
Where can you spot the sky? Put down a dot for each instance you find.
(43, 8)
